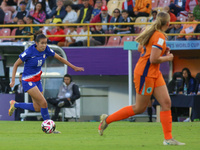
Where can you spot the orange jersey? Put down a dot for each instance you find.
(143, 66)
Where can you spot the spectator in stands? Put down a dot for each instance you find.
(27, 30)
(188, 80)
(174, 84)
(95, 41)
(197, 90)
(117, 18)
(177, 6)
(80, 39)
(38, 14)
(197, 30)
(188, 28)
(32, 3)
(154, 14)
(7, 5)
(149, 108)
(58, 13)
(97, 10)
(102, 17)
(19, 30)
(18, 88)
(69, 39)
(172, 18)
(21, 14)
(2, 16)
(125, 29)
(49, 4)
(68, 94)
(190, 4)
(59, 31)
(91, 2)
(129, 6)
(75, 4)
(85, 12)
(176, 29)
(196, 11)
(71, 16)
(142, 8)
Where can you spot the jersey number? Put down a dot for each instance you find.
(39, 63)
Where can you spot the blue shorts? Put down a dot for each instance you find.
(28, 85)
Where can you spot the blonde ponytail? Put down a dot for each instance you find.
(161, 20)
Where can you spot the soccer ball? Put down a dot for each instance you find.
(48, 126)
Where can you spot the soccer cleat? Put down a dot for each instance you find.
(103, 125)
(56, 132)
(172, 142)
(12, 107)
(61, 104)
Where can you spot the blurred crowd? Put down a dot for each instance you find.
(95, 11)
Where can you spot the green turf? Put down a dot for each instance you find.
(84, 136)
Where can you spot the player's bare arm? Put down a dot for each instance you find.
(155, 57)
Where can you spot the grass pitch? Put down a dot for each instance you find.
(123, 135)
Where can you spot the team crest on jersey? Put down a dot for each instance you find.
(149, 90)
(44, 55)
(30, 83)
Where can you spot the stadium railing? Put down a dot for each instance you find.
(88, 26)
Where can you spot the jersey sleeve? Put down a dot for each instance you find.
(24, 55)
(158, 41)
(50, 52)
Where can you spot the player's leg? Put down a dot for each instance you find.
(144, 90)
(39, 99)
(29, 106)
(162, 96)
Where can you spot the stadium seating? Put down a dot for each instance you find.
(120, 5)
(158, 9)
(164, 3)
(8, 16)
(5, 32)
(126, 38)
(141, 19)
(111, 6)
(13, 33)
(154, 3)
(113, 41)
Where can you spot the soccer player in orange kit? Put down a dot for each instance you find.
(148, 78)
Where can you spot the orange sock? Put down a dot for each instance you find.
(166, 121)
(123, 113)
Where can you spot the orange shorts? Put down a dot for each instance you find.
(145, 85)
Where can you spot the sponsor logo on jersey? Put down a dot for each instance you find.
(44, 55)
(160, 41)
